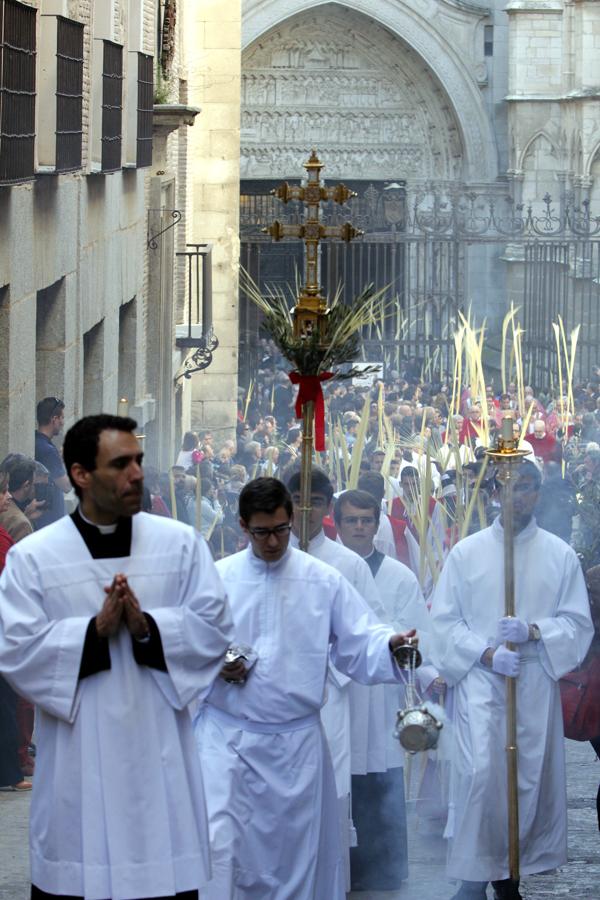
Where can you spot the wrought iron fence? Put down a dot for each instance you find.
(434, 209)
(561, 278)
(425, 242)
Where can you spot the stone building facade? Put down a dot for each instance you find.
(441, 97)
(553, 97)
(87, 310)
(379, 88)
(445, 90)
(487, 99)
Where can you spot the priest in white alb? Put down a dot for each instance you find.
(111, 622)
(552, 630)
(271, 793)
(348, 704)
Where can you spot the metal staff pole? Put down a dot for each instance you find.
(308, 415)
(508, 458)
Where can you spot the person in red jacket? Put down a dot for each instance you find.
(545, 446)
(472, 426)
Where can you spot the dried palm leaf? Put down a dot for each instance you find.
(340, 343)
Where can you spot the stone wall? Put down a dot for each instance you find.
(213, 31)
(554, 97)
(72, 251)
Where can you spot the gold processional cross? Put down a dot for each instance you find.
(311, 308)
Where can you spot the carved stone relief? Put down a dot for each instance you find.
(363, 98)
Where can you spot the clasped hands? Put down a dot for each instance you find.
(121, 606)
(501, 659)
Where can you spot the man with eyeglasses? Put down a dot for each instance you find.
(271, 792)
(50, 415)
(354, 749)
(552, 631)
(380, 860)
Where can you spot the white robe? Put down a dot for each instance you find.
(467, 603)
(404, 609)
(271, 793)
(384, 539)
(118, 801)
(346, 700)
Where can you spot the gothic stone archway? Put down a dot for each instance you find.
(439, 35)
(330, 78)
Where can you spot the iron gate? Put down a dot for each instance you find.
(441, 250)
(562, 278)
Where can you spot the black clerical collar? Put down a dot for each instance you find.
(374, 560)
(104, 546)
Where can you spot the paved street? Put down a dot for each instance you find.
(579, 880)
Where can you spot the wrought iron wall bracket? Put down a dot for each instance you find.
(200, 359)
(176, 215)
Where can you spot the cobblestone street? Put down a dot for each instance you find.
(579, 880)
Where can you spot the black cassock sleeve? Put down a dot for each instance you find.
(96, 655)
(150, 653)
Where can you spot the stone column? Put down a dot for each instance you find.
(213, 32)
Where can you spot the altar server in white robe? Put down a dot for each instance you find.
(271, 792)
(346, 700)
(111, 622)
(380, 862)
(552, 630)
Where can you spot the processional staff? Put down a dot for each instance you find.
(508, 458)
(310, 313)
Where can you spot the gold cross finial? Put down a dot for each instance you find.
(312, 306)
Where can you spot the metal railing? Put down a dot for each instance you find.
(112, 106)
(17, 91)
(145, 103)
(69, 94)
(197, 335)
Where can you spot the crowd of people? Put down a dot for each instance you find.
(447, 450)
(32, 493)
(407, 516)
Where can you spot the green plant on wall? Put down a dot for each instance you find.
(162, 86)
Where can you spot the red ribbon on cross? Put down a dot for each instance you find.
(310, 389)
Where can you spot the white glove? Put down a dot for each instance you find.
(514, 630)
(506, 662)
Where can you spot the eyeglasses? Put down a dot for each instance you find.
(358, 520)
(261, 534)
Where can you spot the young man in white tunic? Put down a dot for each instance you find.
(111, 622)
(346, 700)
(271, 793)
(380, 862)
(552, 630)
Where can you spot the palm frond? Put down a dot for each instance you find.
(340, 342)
